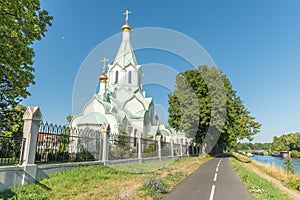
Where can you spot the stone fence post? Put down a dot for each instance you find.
(140, 146)
(172, 146)
(158, 139)
(32, 118)
(181, 150)
(105, 131)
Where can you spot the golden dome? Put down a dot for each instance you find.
(126, 27)
(103, 78)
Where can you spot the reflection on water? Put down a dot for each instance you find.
(279, 162)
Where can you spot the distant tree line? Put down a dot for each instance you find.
(254, 146)
(287, 142)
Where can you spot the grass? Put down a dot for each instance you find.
(140, 168)
(289, 180)
(103, 182)
(258, 186)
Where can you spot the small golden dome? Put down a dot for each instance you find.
(126, 27)
(103, 78)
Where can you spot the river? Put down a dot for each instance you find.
(279, 162)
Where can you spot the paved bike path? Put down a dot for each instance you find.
(214, 180)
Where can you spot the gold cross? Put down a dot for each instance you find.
(127, 12)
(104, 64)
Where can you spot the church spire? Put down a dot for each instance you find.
(125, 55)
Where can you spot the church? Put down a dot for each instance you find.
(121, 101)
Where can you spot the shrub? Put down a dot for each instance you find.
(288, 166)
(154, 187)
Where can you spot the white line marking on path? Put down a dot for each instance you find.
(217, 169)
(215, 178)
(212, 192)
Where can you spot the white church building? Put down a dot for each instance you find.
(121, 101)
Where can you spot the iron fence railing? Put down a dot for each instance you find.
(122, 147)
(149, 148)
(11, 149)
(65, 144)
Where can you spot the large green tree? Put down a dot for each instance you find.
(205, 106)
(21, 23)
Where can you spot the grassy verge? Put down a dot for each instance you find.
(291, 181)
(258, 186)
(103, 182)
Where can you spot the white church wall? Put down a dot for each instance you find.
(138, 124)
(113, 123)
(75, 120)
(112, 74)
(122, 95)
(134, 105)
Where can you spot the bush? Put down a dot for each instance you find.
(295, 154)
(154, 187)
(288, 166)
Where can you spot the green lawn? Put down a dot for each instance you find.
(103, 182)
(258, 186)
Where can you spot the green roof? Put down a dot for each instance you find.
(93, 118)
(164, 132)
(139, 114)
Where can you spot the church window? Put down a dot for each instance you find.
(129, 77)
(117, 77)
(139, 80)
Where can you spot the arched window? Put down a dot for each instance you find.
(139, 79)
(129, 77)
(117, 77)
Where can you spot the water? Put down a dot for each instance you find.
(279, 162)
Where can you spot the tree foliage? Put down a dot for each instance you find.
(287, 142)
(204, 105)
(11, 123)
(254, 146)
(21, 23)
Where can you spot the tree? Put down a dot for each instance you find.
(11, 123)
(286, 142)
(21, 23)
(204, 100)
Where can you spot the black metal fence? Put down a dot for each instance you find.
(64, 144)
(11, 150)
(149, 148)
(176, 148)
(166, 149)
(122, 147)
(56, 144)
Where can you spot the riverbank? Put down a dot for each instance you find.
(287, 183)
(277, 161)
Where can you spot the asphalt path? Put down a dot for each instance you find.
(214, 180)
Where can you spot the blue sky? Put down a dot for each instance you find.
(255, 43)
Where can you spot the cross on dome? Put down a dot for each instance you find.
(104, 60)
(127, 12)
